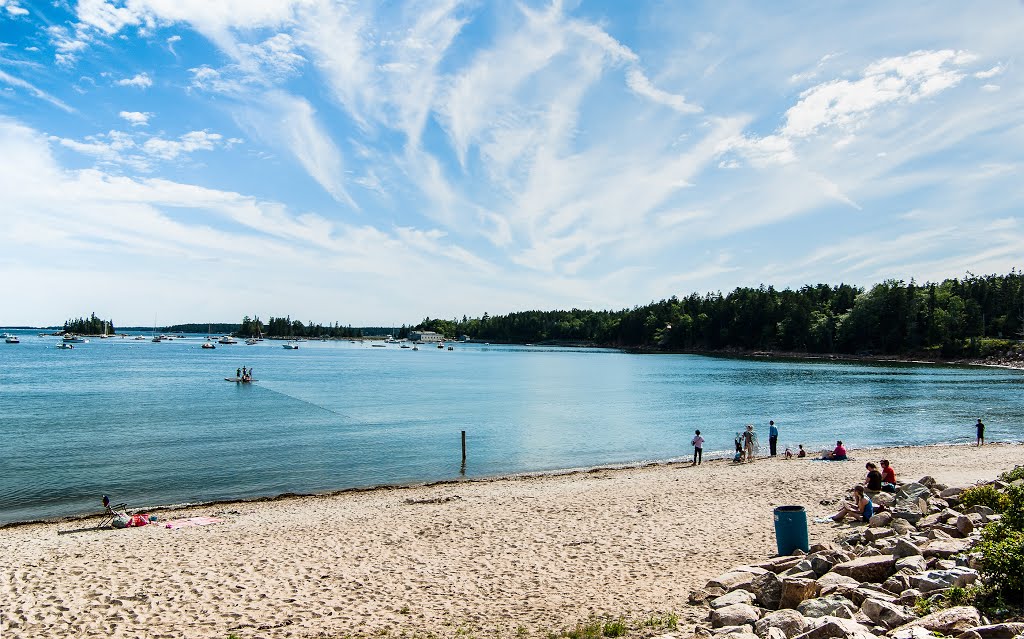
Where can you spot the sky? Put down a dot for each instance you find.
(375, 163)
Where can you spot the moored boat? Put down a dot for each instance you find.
(227, 339)
(209, 345)
(290, 346)
(11, 339)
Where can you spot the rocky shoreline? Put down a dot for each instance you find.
(871, 581)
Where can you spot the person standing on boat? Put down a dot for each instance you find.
(245, 374)
(249, 379)
(773, 437)
(238, 373)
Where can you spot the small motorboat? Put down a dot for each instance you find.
(11, 339)
(65, 346)
(227, 339)
(251, 341)
(290, 346)
(74, 339)
(209, 345)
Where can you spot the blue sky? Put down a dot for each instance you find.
(375, 163)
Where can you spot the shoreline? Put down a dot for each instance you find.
(528, 556)
(524, 476)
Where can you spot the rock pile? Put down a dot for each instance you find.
(865, 583)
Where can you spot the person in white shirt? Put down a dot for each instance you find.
(698, 448)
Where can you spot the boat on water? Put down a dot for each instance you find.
(65, 345)
(251, 341)
(440, 344)
(378, 345)
(240, 380)
(415, 347)
(208, 345)
(290, 346)
(74, 339)
(227, 339)
(11, 339)
(404, 346)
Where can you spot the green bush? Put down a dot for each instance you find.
(1013, 509)
(984, 495)
(1013, 475)
(1002, 552)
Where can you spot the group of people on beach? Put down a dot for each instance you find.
(860, 505)
(243, 374)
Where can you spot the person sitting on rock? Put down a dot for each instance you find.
(861, 509)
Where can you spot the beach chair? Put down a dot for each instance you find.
(111, 511)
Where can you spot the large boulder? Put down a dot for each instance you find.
(822, 562)
(912, 492)
(945, 547)
(829, 605)
(734, 597)
(912, 632)
(875, 569)
(837, 628)
(767, 590)
(796, 589)
(880, 520)
(779, 564)
(789, 622)
(964, 525)
(942, 579)
(951, 621)
(902, 526)
(734, 615)
(904, 548)
(736, 578)
(886, 614)
(1000, 630)
(911, 565)
(832, 579)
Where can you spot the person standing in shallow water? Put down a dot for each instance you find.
(749, 443)
(698, 448)
(981, 432)
(773, 437)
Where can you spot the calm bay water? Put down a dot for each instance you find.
(156, 424)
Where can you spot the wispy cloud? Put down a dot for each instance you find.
(136, 118)
(35, 91)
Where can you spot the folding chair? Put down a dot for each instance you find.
(110, 511)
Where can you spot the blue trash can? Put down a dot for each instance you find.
(791, 529)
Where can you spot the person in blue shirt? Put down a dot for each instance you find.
(773, 437)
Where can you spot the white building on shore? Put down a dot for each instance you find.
(425, 336)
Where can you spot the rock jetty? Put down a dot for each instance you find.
(866, 582)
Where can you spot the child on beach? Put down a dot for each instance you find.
(698, 448)
(789, 453)
(738, 457)
(801, 452)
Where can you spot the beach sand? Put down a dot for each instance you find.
(506, 557)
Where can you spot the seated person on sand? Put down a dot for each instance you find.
(873, 480)
(888, 477)
(801, 452)
(837, 454)
(861, 509)
(789, 453)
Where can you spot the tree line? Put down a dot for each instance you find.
(91, 325)
(972, 316)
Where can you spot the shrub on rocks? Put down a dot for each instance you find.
(984, 495)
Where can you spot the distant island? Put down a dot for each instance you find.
(975, 317)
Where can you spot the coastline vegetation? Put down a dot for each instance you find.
(91, 325)
(969, 317)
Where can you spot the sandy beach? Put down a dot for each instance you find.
(505, 557)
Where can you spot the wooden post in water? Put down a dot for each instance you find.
(462, 470)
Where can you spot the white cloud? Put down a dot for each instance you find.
(35, 91)
(13, 8)
(187, 143)
(140, 151)
(641, 85)
(136, 118)
(990, 73)
(140, 80)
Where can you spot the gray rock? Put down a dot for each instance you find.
(701, 596)
(998, 631)
(746, 631)
(835, 627)
(734, 597)
(774, 633)
(874, 534)
(941, 579)
(731, 580)
(779, 564)
(927, 481)
(964, 525)
(951, 621)
(912, 492)
(897, 583)
(875, 569)
(907, 513)
(945, 547)
(830, 605)
(832, 579)
(880, 520)
(886, 614)
(797, 589)
(790, 622)
(912, 632)
(904, 548)
(984, 511)
(734, 615)
(913, 564)
(968, 634)
(902, 526)
(767, 590)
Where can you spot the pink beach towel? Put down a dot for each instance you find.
(192, 521)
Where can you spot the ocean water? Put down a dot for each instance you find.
(156, 424)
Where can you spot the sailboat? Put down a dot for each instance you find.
(104, 335)
(208, 344)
